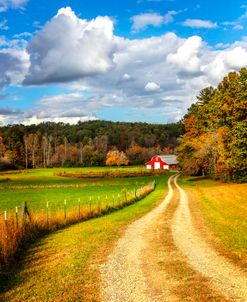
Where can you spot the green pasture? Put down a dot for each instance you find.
(39, 186)
(64, 266)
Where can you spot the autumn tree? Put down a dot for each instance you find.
(215, 131)
(134, 153)
(116, 158)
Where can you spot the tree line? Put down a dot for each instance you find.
(92, 143)
(215, 138)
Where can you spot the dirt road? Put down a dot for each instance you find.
(124, 277)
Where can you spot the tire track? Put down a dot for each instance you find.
(224, 276)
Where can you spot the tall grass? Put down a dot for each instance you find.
(17, 230)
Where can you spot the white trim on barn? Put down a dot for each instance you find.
(149, 166)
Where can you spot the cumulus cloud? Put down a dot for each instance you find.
(157, 76)
(13, 66)
(142, 21)
(186, 58)
(69, 48)
(225, 61)
(12, 4)
(198, 23)
(152, 86)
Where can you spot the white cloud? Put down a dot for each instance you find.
(69, 48)
(67, 120)
(12, 4)
(186, 58)
(142, 21)
(152, 86)
(126, 77)
(157, 76)
(23, 35)
(198, 23)
(13, 66)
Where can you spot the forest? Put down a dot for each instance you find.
(215, 139)
(92, 143)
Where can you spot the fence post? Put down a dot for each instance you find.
(6, 224)
(25, 213)
(65, 214)
(47, 213)
(79, 208)
(16, 217)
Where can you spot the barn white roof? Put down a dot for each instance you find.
(169, 159)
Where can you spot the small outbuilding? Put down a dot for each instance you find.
(166, 162)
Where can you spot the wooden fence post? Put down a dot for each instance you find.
(25, 213)
(79, 208)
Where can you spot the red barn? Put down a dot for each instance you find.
(162, 162)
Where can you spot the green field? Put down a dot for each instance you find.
(64, 265)
(37, 187)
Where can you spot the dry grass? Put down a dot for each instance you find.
(220, 211)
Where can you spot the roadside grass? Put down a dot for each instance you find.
(224, 211)
(64, 266)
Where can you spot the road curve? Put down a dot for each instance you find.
(122, 276)
(226, 277)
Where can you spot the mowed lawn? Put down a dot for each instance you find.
(65, 266)
(39, 186)
(224, 208)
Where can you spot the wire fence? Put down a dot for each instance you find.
(22, 225)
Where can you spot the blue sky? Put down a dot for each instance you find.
(139, 60)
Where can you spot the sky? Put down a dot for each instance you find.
(128, 60)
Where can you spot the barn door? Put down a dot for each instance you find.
(156, 165)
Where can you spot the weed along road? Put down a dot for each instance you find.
(140, 266)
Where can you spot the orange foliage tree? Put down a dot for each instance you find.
(116, 158)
